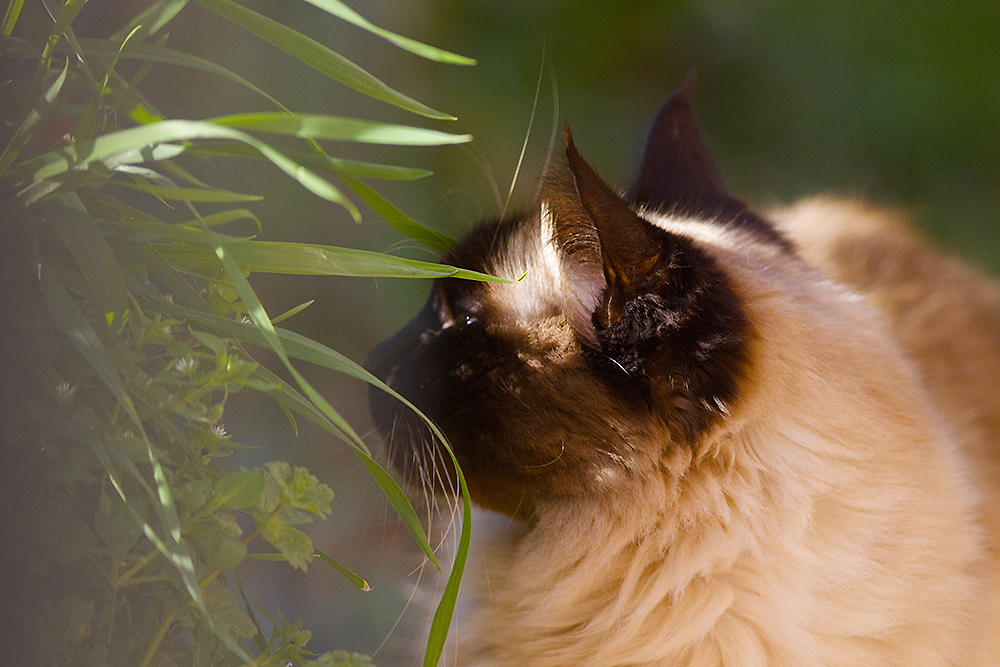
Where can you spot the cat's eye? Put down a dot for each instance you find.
(459, 315)
(463, 320)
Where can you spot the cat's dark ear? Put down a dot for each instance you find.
(630, 248)
(679, 175)
(660, 308)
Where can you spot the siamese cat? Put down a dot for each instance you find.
(724, 438)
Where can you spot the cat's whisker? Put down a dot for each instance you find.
(527, 135)
(552, 135)
(484, 167)
(562, 450)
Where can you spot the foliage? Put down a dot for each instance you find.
(131, 527)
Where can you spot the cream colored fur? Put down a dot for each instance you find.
(845, 512)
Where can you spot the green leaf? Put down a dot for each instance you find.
(293, 544)
(238, 490)
(221, 218)
(446, 607)
(344, 12)
(337, 128)
(340, 659)
(211, 341)
(10, 16)
(61, 25)
(222, 605)
(113, 212)
(159, 54)
(139, 144)
(314, 161)
(41, 110)
(322, 58)
(188, 194)
(263, 322)
(320, 260)
(300, 490)
(292, 311)
(90, 250)
(389, 486)
(350, 576)
(224, 552)
(151, 20)
(397, 218)
(119, 526)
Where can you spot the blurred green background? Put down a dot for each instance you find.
(894, 101)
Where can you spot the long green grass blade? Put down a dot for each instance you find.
(446, 607)
(138, 144)
(397, 218)
(315, 161)
(188, 194)
(321, 57)
(93, 256)
(321, 260)
(152, 19)
(308, 350)
(41, 110)
(172, 281)
(119, 214)
(350, 576)
(292, 311)
(223, 217)
(71, 320)
(68, 316)
(336, 128)
(159, 54)
(344, 12)
(390, 488)
(10, 16)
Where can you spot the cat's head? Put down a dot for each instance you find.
(621, 340)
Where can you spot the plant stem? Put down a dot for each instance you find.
(132, 571)
(161, 632)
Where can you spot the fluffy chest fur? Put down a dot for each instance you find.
(723, 440)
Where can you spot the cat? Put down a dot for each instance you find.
(722, 438)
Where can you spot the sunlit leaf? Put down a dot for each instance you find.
(238, 490)
(188, 194)
(321, 57)
(311, 259)
(138, 144)
(292, 311)
(344, 12)
(350, 576)
(399, 220)
(337, 128)
(151, 19)
(321, 163)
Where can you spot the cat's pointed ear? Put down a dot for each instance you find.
(679, 175)
(678, 172)
(629, 250)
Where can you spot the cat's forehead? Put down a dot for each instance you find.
(529, 258)
(545, 284)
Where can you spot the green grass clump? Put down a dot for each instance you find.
(124, 338)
